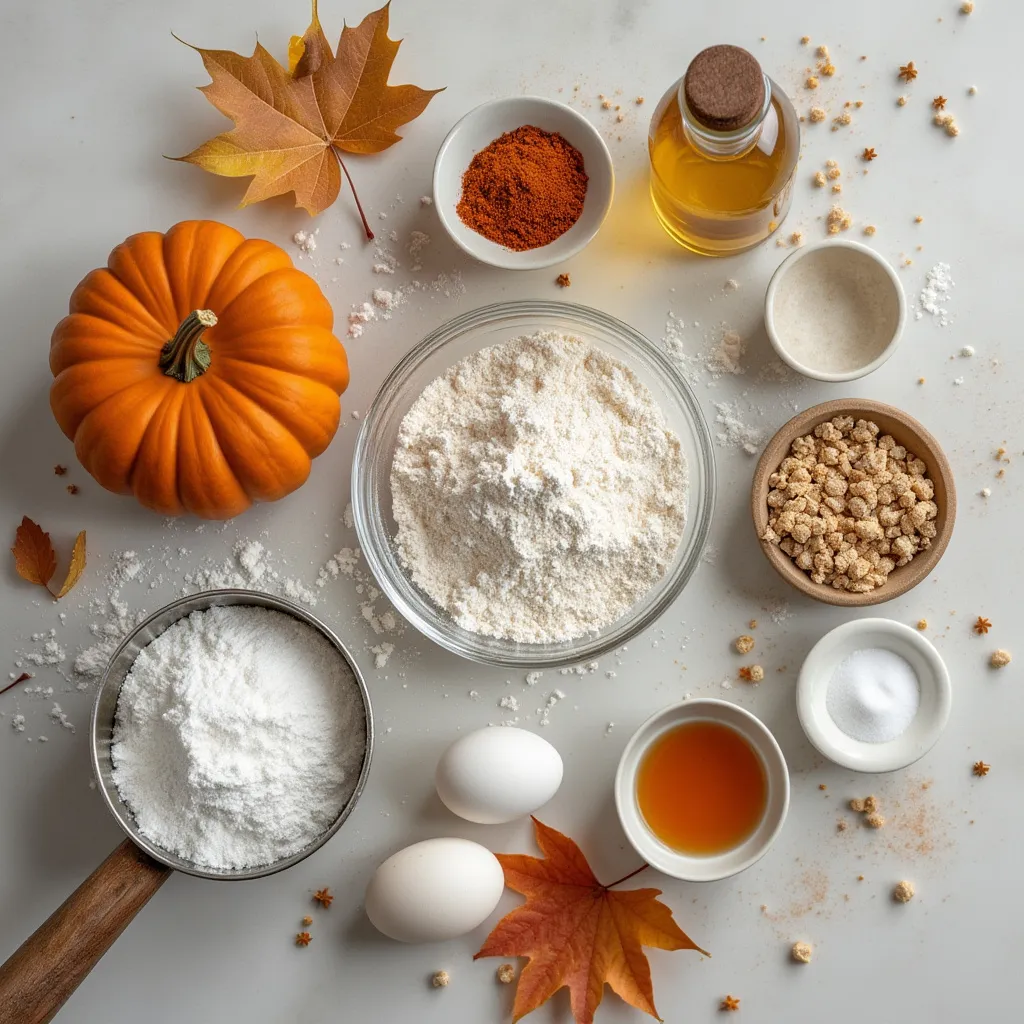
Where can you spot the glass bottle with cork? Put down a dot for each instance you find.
(723, 143)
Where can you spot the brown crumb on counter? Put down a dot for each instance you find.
(804, 40)
(796, 238)
(606, 104)
(870, 230)
(842, 825)
(967, 7)
(947, 122)
(812, 82)
(833, 171)
(857, 804)
(922, 624)
(60, 470)
(874, 821)
(563, 281)
(802, 952)
(903, 892)
(871, 804)
(981, 769)
(817, 114)
(822, 786)
(920, 380)
(506, 974)
(744, 644)
(752, 624)
(756, 673)
(819, 179)
(440, 979)
(822, 51)
(902, 101)
(1000, 658)
(841, 121)
(826, 68)
(837, 188)
(838, 220)
(72, 488)
(307, 920)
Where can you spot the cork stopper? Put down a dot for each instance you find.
(724, 88)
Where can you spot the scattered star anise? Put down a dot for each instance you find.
(908, 72)
(981, 769)
(60, 470)
(981, 625)
(730, 1003)
(939, 103)
(72, 488)
(303, 939)
(746, 675)
(869, 154)
(323, 897)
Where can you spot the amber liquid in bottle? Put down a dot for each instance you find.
(722, 193)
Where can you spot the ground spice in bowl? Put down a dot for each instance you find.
(524, 190)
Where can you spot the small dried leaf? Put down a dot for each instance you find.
(77, 566)
(34, 557)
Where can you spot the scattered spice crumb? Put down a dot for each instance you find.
(323, 897)
(819, 179)
(871, 804)
(833, 171)
(802, 952)
(440, 979)
(981, 625)
(981, 769)
(506, 974)
(857, 804)
(837, 188)
(947, 122)
(922, 624)
(870, 229)
(920, 380)
(752, 624)
(822, 786)
(60, 470)
(812, 82)
(822, 51)
(903, 892)
(841, 121)
(563, 281)
(756, 673)
(746, 673)
(874, 820)
(907, 71)
(638, 100)
(817, 114)
(939, 103)
(804, 40)
(826, 68)
(869, 154)
(307, 920)
(902, 101)
(972, 90)
(794, 239)
(303, 939)
(967, 7)
(1000, 658)
(744, 644)
(985, 492)
(842, 825)
(606, 104)
(730, 1003)
(838, 220)
(919, 219)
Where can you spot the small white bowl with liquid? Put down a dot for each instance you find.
(835, 311)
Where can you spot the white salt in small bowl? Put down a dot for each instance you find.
(936, 695)
(835, 311)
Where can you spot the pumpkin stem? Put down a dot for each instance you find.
(186, 356)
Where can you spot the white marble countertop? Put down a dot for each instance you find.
(97, 92)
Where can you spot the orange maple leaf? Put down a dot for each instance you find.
(577, 932)
(291, 122)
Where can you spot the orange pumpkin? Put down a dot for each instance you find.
(198, 371)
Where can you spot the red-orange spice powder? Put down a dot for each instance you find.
(524, 189)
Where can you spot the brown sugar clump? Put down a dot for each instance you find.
(506, 974)
(838, 220)
(802, 952)
(903, 892)
(1000, 658)
(440, 979)
(563, 281)
(817, 114)
(842, 825)
(874, 821)
(857, 804)
(744, 644)
(922, 624)
(871, 804)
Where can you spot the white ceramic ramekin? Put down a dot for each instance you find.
(885, 280)
(478, 129)
(932, 713)
(689, 867)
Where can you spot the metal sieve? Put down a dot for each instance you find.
(41, 975)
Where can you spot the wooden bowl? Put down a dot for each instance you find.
(907, 432)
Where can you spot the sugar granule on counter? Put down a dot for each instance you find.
(306, 240)
(935, 294)
(735, 433)
(727, 355)
(506, 974)
(509, 703)
(238, 737)
(418, 241)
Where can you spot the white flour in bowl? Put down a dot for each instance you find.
(239, 737)
(538, 491)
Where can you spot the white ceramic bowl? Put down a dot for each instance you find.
(932, 713)
(835, 283)
(480, 127)
(689, 867)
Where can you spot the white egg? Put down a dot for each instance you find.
(434, 890)
(496, 775)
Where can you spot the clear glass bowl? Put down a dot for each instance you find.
(458, 338)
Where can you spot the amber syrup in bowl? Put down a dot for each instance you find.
(701, 788)
(723, 145)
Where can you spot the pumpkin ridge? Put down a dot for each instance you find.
(312, 372)
(126, 257)
(160, 416)
(297, 281)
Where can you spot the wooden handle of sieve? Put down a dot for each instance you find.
(48, 966)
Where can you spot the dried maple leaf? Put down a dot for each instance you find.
(290, 123)
(34, 557)
(577, 932)
(76, 566)
(36, 561)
